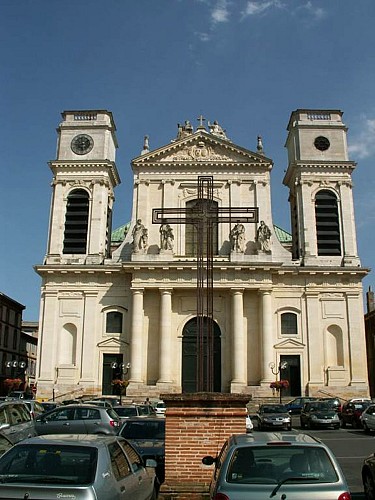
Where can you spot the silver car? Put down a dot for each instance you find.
(83, 467)
(78, 419)
(276, 465)
(368, 419)
(16, 422)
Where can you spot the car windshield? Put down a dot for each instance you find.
(49, 463)
(274, 409)
(272, 464)
(320, 407)
(126, 411)
(144, 430)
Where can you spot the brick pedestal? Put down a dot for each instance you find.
(197, 425)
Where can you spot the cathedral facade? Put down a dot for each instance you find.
(284, 307)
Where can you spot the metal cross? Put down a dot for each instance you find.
(204, 215)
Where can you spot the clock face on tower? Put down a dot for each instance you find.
(322, 143)
(82, 144)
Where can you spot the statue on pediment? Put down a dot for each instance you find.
(216, 129)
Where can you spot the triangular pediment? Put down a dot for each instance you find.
(202, 147)
(289, 344)
(111, 342)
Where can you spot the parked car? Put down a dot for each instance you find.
(295, 405)
(15, 421)
(19, 395)
(76, 466)
(103, 404)
(34, 407)
(368, 477)
(319, 414)
(133, 410)
(273, 416)
(351, 414)
(113, 400)
(368, 418)
(147, 435)
(160, 408)
(78, 419)
(249, 423)
(49, 405)
(264, 465)
(5, 444)
(334, 403)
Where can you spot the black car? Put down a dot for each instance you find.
(351, 413)
(319, 414)
(274, 416)
(147, 435)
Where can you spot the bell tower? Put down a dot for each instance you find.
(319, 177)
(84, 178)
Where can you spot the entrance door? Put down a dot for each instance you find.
(110, 373)
(189, 357)
(292, 373)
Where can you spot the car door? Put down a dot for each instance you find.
(60, 421)
(131, 477)
(21, 425)
(91, 418)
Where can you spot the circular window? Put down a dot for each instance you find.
(321, 143)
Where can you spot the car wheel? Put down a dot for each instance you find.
(260, 428)
(336, 427)
(355, 424)
(309, 425)
(289, 427)
(365, 428)
(368, 486)
(302, 424)
(343, 424)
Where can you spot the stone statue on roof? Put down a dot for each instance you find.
(216, 129)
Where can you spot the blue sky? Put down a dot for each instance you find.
(156, 63)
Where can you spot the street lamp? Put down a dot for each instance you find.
(277, 369)
(123, 369)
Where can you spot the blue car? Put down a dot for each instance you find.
(295, 405)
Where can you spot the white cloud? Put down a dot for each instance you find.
(313, 10)
(254, 7)
(220, 13)
(363, 144)
(203, 37)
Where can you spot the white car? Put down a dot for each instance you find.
(249, 424)
(160, 408)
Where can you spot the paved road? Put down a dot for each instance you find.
(350, 446)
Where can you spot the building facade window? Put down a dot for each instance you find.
(327, 223)
(76, 222)
(15, 338)
(6, 336)
(114, 322)
(289, 324)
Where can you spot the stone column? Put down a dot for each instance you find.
(239, 344)
(314, 340)
(165, 354)
(267, 336)
(356, 328)
(136, 344)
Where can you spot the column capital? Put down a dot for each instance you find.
(137, 290)
(237, 291)
(164, 291)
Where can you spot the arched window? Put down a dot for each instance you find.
(191, 233)
(327, 223)
(114, 322)
(76, 222)
(289, 324)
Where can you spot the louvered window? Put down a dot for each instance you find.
(76, 222)
(327, 224)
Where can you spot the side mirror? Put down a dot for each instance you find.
(208, 460)
(4, 426)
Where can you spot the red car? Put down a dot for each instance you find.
(351, 413)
